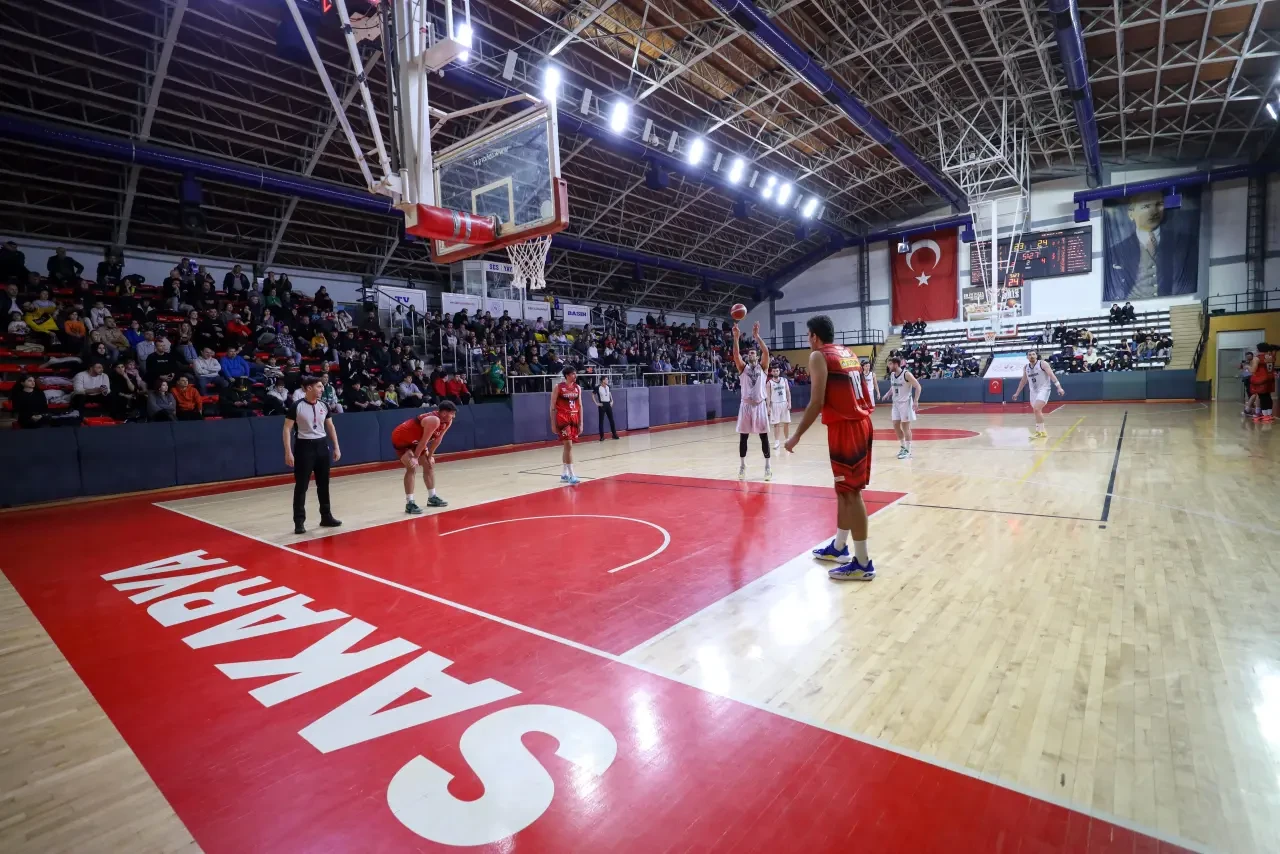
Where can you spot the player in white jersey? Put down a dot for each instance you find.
(753, 411)
(905, 391)
(1039, 376)
(779, 395)
(869, 382)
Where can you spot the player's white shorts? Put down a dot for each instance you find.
(903, 411)
(1041, 396)
(779, 414)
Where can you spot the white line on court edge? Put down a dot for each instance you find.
(782, 713)
(666, 537)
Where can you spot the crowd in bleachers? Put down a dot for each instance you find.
(1077, 349)
(115, 348)
(947, 361)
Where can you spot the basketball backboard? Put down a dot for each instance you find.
(510, 171)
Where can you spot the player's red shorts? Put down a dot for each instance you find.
(402, 438)
(849, 444)
(568, 428)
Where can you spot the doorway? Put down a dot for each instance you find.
(1231, 349)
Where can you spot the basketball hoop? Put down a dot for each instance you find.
(529, 258)
(989, 336)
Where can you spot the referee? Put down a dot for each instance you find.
(604, 400)
(311, 454)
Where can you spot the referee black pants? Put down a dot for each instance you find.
(606, 410)
(310, 456)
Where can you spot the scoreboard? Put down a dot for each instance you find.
(1039, 255)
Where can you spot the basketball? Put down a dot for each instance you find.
(738, 311)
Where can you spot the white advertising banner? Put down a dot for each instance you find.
(534, 310)
(454, 303)
(576, 315)
(389, 298)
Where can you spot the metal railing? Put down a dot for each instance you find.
(1204, 337)
(800, 341)
(618, 378)
(661, 378)
(1245, 302)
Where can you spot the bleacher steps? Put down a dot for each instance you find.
(1185, 321)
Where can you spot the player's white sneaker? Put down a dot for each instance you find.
(742, 471)
(768, 473)
(903, 453)
(776, 444)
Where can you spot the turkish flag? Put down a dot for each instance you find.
(925, 279)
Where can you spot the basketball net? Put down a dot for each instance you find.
(529, 260)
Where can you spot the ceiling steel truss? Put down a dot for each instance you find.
(1173, 81)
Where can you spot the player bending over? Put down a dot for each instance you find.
(753, 411)
(566, 420)
(905, 391)
(415, 442)
(840, 396)
(1039, 376)
(779, 407)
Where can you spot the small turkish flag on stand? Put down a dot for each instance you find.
(925, 279)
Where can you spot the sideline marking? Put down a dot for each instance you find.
(984, 776)
(1115, 463)
(1052, 448)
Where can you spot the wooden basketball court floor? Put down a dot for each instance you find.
(1072, 644)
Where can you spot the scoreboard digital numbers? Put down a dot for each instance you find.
(1038, 255)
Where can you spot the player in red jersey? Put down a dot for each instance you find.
(566, 420)
(415, 442)
(840, 396)
(1263, 381)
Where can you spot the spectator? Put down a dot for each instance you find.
(1128, 314)
(74, 332)
(236, 400)
(410, 396)
(208, 371)
(187, 399)
(236, 283)
(456, 389)
(126, 393)
(30, 406)
(17, 326)
(1115, 316)
(89, 386)
(497, 379)
(277, 400)
(110, 271)
(9, 301)
(355, 398)
(97, 351)
(234, 366)
(145, 347)
(161, 405)
(113, 336)
(64, 271)
(163, 364)
(13, 264)
(322, 301)
(134, 334)
(329, 395)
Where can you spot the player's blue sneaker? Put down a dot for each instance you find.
(564, 478)
(854, 571)
(829, 552)
(573, 480)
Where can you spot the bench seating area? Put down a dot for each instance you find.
(1040, 335)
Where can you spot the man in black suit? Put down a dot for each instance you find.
(1157, 252)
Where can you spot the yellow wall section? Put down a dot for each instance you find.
(1268, 321)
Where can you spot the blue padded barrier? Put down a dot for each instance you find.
(1077, 387)
(268, 449)
(1166, 385)
(126, 458)
(492, 424)
(461, 436)
(358, 437)
(531, 417)
(39, 465)
(210, 451)
(387, 421)
(637, 407)
(659, 406)
(1125, 385)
